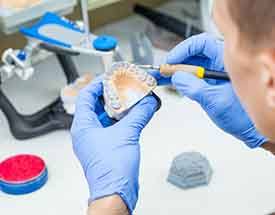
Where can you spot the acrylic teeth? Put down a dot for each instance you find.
(120, 65)
(132, 68)
(110, 91)
(112, 94)
(142, 75)
(113, 100)
(125, 65)
(115, 104)
(150, 81)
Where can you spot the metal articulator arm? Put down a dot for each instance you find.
(51, 118)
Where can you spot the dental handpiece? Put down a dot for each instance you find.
(168, 70)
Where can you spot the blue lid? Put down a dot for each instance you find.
(25, 188)
(22, 55)
(105, 43)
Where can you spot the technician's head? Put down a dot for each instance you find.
(248, 27)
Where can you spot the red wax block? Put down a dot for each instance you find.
(21, 169)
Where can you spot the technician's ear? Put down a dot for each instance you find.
(268, 76)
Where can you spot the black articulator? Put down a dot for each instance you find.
(54, 117)
(51, 118)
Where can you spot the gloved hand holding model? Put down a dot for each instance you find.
(217, 98)
(110, 156)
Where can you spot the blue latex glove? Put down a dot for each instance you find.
(217, 98)
(110, 156)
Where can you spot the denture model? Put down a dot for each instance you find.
(70, 92)
(124, 86)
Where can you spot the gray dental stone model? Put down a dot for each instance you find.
(189, 170)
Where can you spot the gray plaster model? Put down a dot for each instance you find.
(189, 170)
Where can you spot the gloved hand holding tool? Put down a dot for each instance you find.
(216, 97)
(110, 153)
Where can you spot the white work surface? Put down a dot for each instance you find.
(243, 179)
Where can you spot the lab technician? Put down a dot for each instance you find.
(110, 154)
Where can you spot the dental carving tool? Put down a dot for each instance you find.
(169, 70)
